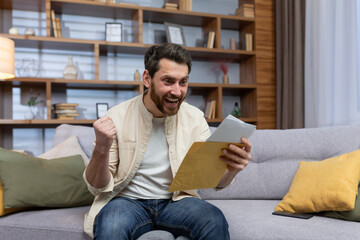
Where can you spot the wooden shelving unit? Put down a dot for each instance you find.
(247, 91)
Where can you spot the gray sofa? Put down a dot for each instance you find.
(247, 204)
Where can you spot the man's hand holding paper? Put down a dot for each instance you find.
(216, 162)
(236, 158)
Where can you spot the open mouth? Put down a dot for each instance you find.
(171, 102)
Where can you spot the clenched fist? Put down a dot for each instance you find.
(104, 132)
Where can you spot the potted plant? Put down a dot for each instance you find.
(32, 102)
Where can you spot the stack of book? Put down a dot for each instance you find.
(56, 25)
(186, 5)
(245, 10)
(209, 39)
(66, 111)
(246, 41)
(210, 109)
(171, 6)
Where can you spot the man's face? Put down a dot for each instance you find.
(168, 87)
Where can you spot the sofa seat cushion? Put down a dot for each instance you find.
(253, 219)
(248, 219)
(55, 224)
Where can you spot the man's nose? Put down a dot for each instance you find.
(175, 90)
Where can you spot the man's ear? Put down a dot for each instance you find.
(146, 78)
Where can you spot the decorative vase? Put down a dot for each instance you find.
(236, 111)
(225, 79)
(137, 76)
(29, 113)
(70, 71)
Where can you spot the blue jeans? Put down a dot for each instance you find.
(124, 218)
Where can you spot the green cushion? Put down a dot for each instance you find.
(30, 181)
(351, 215)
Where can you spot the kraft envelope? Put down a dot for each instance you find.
(201, 167)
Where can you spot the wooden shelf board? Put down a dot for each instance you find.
(98, 84)
(40, 42)
(214, 54)
(202, 85)
(244, 119)
(94, 9)
(44, 121)
(150, 14)
(86, 121)
(122, 47)
(235, 86)
(225, 86)
(33, 5)
(215, 120)
(95, 82)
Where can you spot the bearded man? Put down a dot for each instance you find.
(138, 149)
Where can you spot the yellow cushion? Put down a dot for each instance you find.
(328, 185)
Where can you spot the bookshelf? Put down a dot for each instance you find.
(255, 88)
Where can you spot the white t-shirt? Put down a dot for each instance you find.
(154, 176)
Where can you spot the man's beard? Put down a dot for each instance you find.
(159, 101)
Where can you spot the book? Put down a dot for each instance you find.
(58, 27)
(249, 42)
(246, 41)
(211, 40)
(186, 5)
(53, 21)
(171, 5)
(245, 10)
(68, 115)
(189, 5)
(65, 107)
(213, 111)
(57, 111)
(66, 104)
(208, 109)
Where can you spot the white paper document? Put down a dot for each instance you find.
(232, 130)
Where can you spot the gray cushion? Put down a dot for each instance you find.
(253, 219)
(276, 155)
(57, 224)
(85, 135)
(157, 235)
(54, 224)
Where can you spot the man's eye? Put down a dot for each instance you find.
(183, 82)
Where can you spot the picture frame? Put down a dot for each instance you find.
(174, 34)
(113, 32)
(101, 109)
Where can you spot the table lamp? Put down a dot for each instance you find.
(7, 58)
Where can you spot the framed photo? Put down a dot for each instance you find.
(101, 109)
(113, 32)
(175, 34)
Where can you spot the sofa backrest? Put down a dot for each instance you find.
(85, 135)
(276, 155)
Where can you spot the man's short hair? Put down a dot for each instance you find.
(169, 51)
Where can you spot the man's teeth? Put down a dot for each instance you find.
(172, 100)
